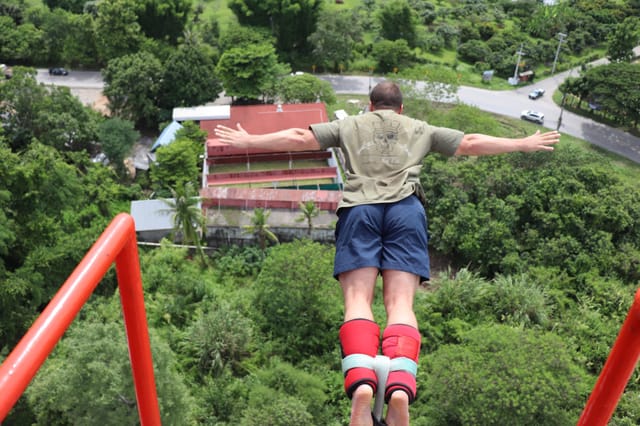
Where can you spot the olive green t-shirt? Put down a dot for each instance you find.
(383, 153)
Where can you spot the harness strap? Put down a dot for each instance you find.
(366, 361)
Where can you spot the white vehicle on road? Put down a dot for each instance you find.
(534, 116)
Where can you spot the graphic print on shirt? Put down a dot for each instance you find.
(385, 136)
(384, 148)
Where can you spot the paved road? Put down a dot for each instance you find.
(88, 86)
(511, 102)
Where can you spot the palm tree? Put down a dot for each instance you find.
(308, 210)
(260, 228)
(188, 220)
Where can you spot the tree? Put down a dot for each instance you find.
(17, 42)
(80, 42)
(260, 228)
(219, 340)
(8, 165)
(502, 375)
(305, 88)
(296, 301)
(473, 51)
(612, 87)
(398, 22)
(391, 55)
(63, 122)
(75, 6)
(188, 220)
(176, 164)
(54, 28)
(117, 30)
(52, 115)
(132, 84)
(189, 78)
(191, 130)
(334, 38)
(235, 35)
(20, 99)
(117, 137)
(250, 72)
(88, 377)
(66, 206)
(622, 40)
(308, 210)
(286, 392)
(291, 22)
(175, 288)
(163, 20)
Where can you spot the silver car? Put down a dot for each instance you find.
(534, 116)
(535, 94)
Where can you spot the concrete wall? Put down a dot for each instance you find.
(227, 227)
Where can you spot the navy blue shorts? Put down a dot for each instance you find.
(384, 236)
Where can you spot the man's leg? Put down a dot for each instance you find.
(399, 291)
(359, 335)
(401, 338)
(358, 290)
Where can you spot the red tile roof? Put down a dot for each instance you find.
(261, 119)
(265, 119)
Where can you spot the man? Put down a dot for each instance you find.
(382, 229)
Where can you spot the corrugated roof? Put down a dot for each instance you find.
(167, 136)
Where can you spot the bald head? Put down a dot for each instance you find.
(386, 95)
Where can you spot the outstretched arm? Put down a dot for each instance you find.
(479, 144)
(285, 140)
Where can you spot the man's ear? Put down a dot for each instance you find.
(401, 109)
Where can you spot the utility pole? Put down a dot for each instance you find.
(561, 37)
(564, 96)
(514, 79)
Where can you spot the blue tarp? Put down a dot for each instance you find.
(167, 136)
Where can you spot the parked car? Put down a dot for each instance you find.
(534, 116)
(58, 71)
(535, 94)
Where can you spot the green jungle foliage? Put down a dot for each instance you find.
(543, 262)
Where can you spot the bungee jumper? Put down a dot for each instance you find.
(382, 230)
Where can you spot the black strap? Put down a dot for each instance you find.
(377, 422)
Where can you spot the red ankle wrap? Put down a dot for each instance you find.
(400, 340)
(359, 336)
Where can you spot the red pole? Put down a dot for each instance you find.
(616, 372)
(135, 320)
(19, 368)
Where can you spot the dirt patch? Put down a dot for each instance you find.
(102, 105)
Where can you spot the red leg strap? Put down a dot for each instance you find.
(359, 336)
(400, 340)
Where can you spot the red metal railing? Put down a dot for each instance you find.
(616, 372)
(116, 244)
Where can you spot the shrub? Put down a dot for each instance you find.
(503, 376)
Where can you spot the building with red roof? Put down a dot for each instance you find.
(250, 178)
(240, 180)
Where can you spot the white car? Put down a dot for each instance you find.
(534, 116)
